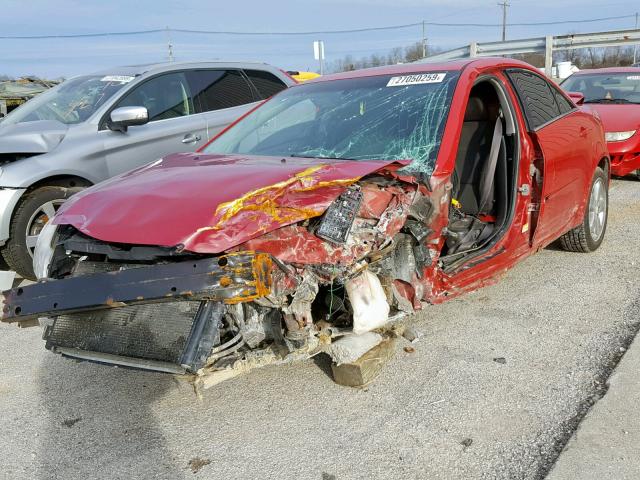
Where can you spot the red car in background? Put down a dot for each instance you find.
(615, 94)
(328, 212)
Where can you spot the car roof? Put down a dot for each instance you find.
(135, 70)
(608, 70)
(426, 67)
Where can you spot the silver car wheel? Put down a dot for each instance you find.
(37, 221)
(597, 209)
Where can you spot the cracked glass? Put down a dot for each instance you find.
(385, 117)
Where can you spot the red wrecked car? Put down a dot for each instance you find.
(320, 218)
(614, 93)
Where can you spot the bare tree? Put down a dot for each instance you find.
(413, 52)
(395, 56)
(535, 59)
(593, 55)
(376, 60)
(574, 56)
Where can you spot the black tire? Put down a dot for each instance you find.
(581, 239)
(3, 264)
(15, 252)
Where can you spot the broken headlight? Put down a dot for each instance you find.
(45, 247)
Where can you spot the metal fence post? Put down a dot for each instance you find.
(473, 49)
(548, 55)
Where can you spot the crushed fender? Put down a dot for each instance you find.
(331, 277)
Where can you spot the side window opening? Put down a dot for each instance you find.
(266, 83)
(484, 176)
(165, 96)
(218, 89)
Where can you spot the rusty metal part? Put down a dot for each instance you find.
(233, 278)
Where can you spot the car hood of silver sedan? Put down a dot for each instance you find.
(31, 137)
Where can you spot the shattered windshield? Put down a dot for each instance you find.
(606, 87)
(373, 118)
(73, 101)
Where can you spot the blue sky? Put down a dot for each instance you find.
(67, 57)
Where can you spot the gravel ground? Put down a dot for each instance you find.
(449, 410)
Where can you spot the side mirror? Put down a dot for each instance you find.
(124, 117)
(577, 97)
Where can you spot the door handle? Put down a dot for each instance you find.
(191, 138)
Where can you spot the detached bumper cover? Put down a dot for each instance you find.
(233, 278)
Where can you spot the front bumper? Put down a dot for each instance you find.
(625, 156)
(163, 317)
(9, 198)
(624, 164)
(233, 278)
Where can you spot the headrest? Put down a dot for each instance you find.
(476, 110)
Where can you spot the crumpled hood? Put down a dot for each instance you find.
(618, 117)
(210, 203)
(31, 137)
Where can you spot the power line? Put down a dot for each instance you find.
(317, 32)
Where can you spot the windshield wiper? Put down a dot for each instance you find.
(301, 155)
(608, 100)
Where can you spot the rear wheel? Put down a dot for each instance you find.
(588, 236)
(33, 212)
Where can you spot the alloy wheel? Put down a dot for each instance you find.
(38, 220)
(597, 209)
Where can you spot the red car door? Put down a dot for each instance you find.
(559, 132)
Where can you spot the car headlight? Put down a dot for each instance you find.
(618, 136)
(45, 247)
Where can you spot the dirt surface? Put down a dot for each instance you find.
(498, 382)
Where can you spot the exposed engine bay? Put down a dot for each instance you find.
(290, 293)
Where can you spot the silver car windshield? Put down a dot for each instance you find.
(73, 101)
(369, 118)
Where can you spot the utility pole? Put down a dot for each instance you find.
(169, 45)
(424, 39)
(504, 6)
(318, 54)
(635, 47)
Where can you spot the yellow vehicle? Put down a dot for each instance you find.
(303, 76)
